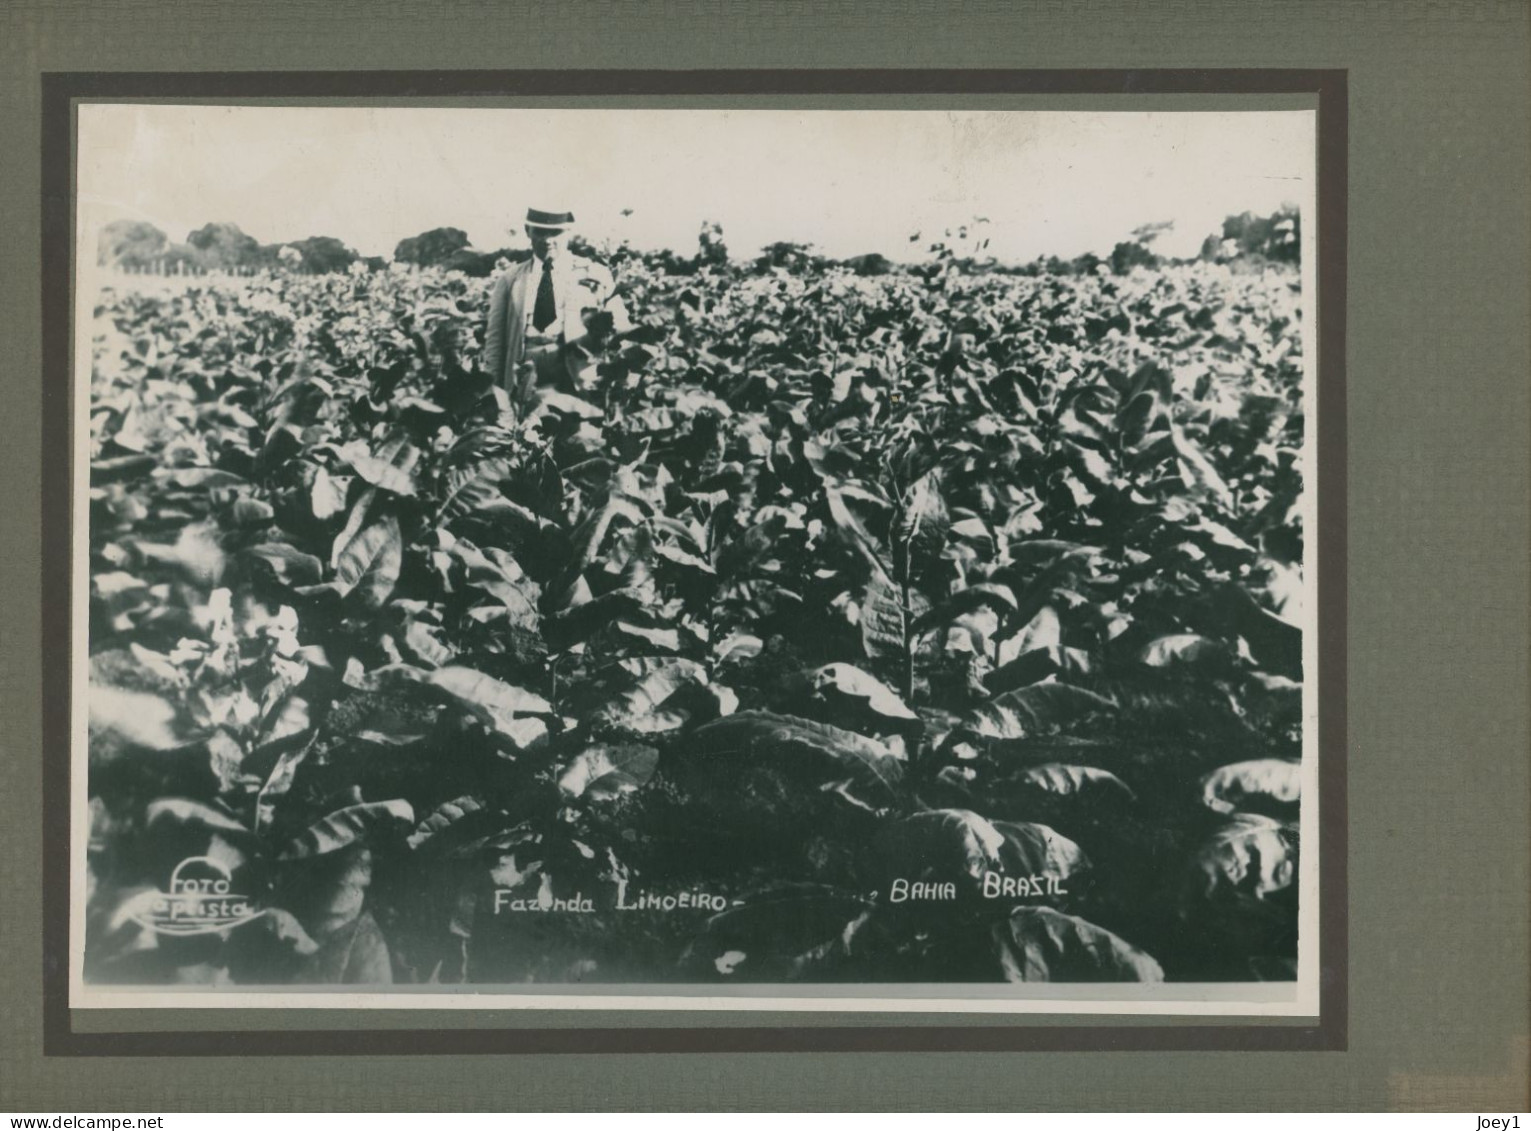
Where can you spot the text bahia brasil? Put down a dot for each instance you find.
(995, 886)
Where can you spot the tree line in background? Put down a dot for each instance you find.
(136, 245)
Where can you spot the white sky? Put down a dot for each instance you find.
(1051, 183)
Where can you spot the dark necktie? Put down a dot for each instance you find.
(546, 309)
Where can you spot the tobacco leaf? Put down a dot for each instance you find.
(346, 826)
(1039, 944)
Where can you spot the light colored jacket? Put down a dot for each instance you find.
(582, 286)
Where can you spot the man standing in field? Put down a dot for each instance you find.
(547, 314)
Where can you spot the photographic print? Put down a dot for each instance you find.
(790, 559)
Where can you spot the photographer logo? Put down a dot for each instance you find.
(200, 900)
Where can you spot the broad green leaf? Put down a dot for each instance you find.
(390, 469)
(737, 555)
(846, 681)
(580, 621)
(940, 846)
(286, 723)
(277, 785)
(1275, 642)
(1039, 551)
(686, 560)
(472, 487)
(1042, 708)
(423, 644)
(855, 536)
(1037, 850)
(251, 514)
(1250, 854)
(651, 420)
(200, 478)
(1267, 780)
(884, 623)
(590, 534)
(137, 717)
(369, 565)
(165, 674)
(922, 525)
(568, 405)
(328, 892)
(649, 682)
(355, 521)
(288, 563)
(197, 554)
(120, 468)
(813, 753)
(1038, 944)
(1066, 780)
(185, 811)
(347, 826)
(688, 535)
(983, 595)
(499, 706)
(665, 639)
(1036, 666)
(1141, 419)
(1042, 631)
(327, 495)
(1200, 476)
(737, 646)
(1181, 648)
(443, 817)
(973, 634)
(603, 771)
(496, 572)
(354, 955)
(286, 930)
(225, 757)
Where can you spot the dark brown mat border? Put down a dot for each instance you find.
(60, 91)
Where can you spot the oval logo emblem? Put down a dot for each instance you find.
(200, 901)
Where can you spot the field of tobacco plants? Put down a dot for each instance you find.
(927, 627)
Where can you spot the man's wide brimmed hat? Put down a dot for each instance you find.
(549, 221)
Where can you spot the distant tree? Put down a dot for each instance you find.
(1136, 252)
(784, 253)
(672, 264)
(432, 248)
(323, 254)
(1129, 254)
(482, 264)
(873, 263)
(1086, 264)
(710, 246)
(224, 247)
(1276, 238)
(578, 245)
(130, 243)
(180, 258)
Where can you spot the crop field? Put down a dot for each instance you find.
(922, 627)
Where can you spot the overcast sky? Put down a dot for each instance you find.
(1050, 183)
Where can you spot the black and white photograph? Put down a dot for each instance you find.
(712, 559)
